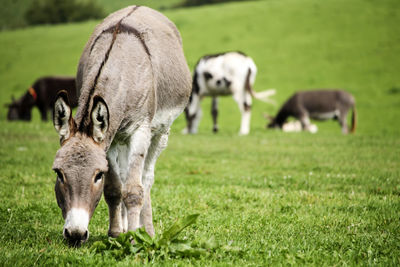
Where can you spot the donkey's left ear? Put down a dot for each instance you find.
(99, 116)
(62, 116)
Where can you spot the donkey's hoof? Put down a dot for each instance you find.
(114, 233)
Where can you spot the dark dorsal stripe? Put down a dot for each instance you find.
(115, 30)
(112, 28)
(130, 30)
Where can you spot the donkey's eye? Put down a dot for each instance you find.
(98, 177)
(60, 176)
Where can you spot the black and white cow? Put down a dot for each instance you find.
(231, 73)
(318, 105)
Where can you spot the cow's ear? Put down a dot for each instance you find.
(100, 119)
(62, 116)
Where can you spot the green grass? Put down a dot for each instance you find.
(303, 199)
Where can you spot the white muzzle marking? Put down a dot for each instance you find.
(77, 220)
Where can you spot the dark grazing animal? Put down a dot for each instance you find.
(318, 105)
(42, 94)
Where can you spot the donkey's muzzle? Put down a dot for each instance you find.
(75, 237)
(76, 226)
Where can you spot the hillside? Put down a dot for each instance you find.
(338, 44)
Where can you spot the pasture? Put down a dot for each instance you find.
(283, 199)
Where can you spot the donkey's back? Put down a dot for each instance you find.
(134, 59)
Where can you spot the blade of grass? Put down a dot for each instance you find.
(170, 234)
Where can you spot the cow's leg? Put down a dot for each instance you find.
(197, 113)
(158, 144)
(214, 113)
(113, 194)
(193, 114)
(244, 101)
(195, 120)
(43, 112)
(133, 191)
(342, 118)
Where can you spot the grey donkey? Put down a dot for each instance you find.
(318, 105)
(133, 82)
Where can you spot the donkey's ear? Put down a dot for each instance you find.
(62, 116)
(99, 116)
(268, 117)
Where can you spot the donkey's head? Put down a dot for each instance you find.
(80, 165)
(272, 122)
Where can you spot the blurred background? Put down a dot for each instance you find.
(351, 45)
(291, 198)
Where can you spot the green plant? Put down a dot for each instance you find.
(145, 248)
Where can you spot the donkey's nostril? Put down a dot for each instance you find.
(75, 237)
(85, 236)
(67, 234)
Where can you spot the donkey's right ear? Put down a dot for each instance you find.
(62, 116)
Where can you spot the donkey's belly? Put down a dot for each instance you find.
(324, 115)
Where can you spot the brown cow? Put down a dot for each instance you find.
(42, 94)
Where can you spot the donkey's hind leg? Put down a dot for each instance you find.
(133, 191)
(342, 118)
(305, 122)
(158, 144)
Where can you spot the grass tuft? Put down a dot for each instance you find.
(143, 248)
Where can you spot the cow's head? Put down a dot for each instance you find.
(19, 109)
(80, 165)
(216, 81)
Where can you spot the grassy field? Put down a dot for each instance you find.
(287, 199)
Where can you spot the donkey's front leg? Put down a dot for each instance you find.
(158, 144)
(133, 192)
(113, 196)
